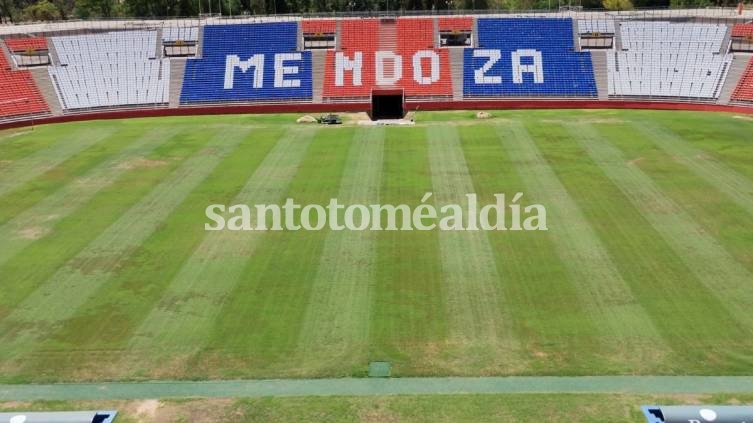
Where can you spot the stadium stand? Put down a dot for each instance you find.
(657, 36)
(527, 57)
(28, 51)
(177, 33)
(744, 89)
(408, 59)
(19, 96)
(662, 59)
(452, 23)
(180, 41)
(319, 33)
(319, 26)
(18, 45)
(596, 34)
(595, 26)
(249, 62)
(110, 70)
(742, 37)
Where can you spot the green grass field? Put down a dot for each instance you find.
(107, 273)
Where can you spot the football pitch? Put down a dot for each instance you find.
(107, 271)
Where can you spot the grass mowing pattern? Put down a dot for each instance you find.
(639, 273)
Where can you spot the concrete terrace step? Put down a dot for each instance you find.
(44, 82)
(734, 74)
(177, 69)
(601, 73)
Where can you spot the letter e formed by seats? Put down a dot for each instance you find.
(281, 70)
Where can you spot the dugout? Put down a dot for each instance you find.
(387, 104)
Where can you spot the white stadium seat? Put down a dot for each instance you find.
(662, 59)
(110, 69)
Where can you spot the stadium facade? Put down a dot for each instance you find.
(661, 59)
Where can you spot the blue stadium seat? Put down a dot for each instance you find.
(286, 73)
(522, 57)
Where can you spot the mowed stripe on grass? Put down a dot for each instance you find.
(28, 168)
(38, 221)
(84, 346)
(603, 292)
(59, 297)
(699, 250)
(337, 315)
(736, 186)
(708, 334)
(185, 315)
(478, 317)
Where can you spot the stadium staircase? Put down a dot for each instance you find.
(744, 90)
(42, 78)
(177, 69)
(158, 50)
(318, 63)
(456, 67)
(388, 42)
(576, 36)
(200, 43)
(601, 73)
(734, 74)
(8, 57)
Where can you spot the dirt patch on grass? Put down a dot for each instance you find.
(8, 136)
(33, 233)
(742, 117)
(147, 409)
(378, 414)
(141, 163)
(636, 160)
(205, 410)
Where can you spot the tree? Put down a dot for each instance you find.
(617, 4)
(98, 8)
(42, 11)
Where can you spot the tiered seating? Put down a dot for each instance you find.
(110, 69)
(527, 57)
(18, 93)
(595, 26)
(318, 26)
(425, 70)
(669, 36)
(249, 62)
(180, 41)
(744, 89)
(451, 23)
(742, 37)
(180, 33)
(21, 45)
(669, 60)
(666, 74)
(742, 30)
(28, 51)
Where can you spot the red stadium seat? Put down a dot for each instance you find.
(449, 24)
(319, 26)
(404, 37)
(18, 93)
(744, 89)
(742, 30)
(20, 45)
